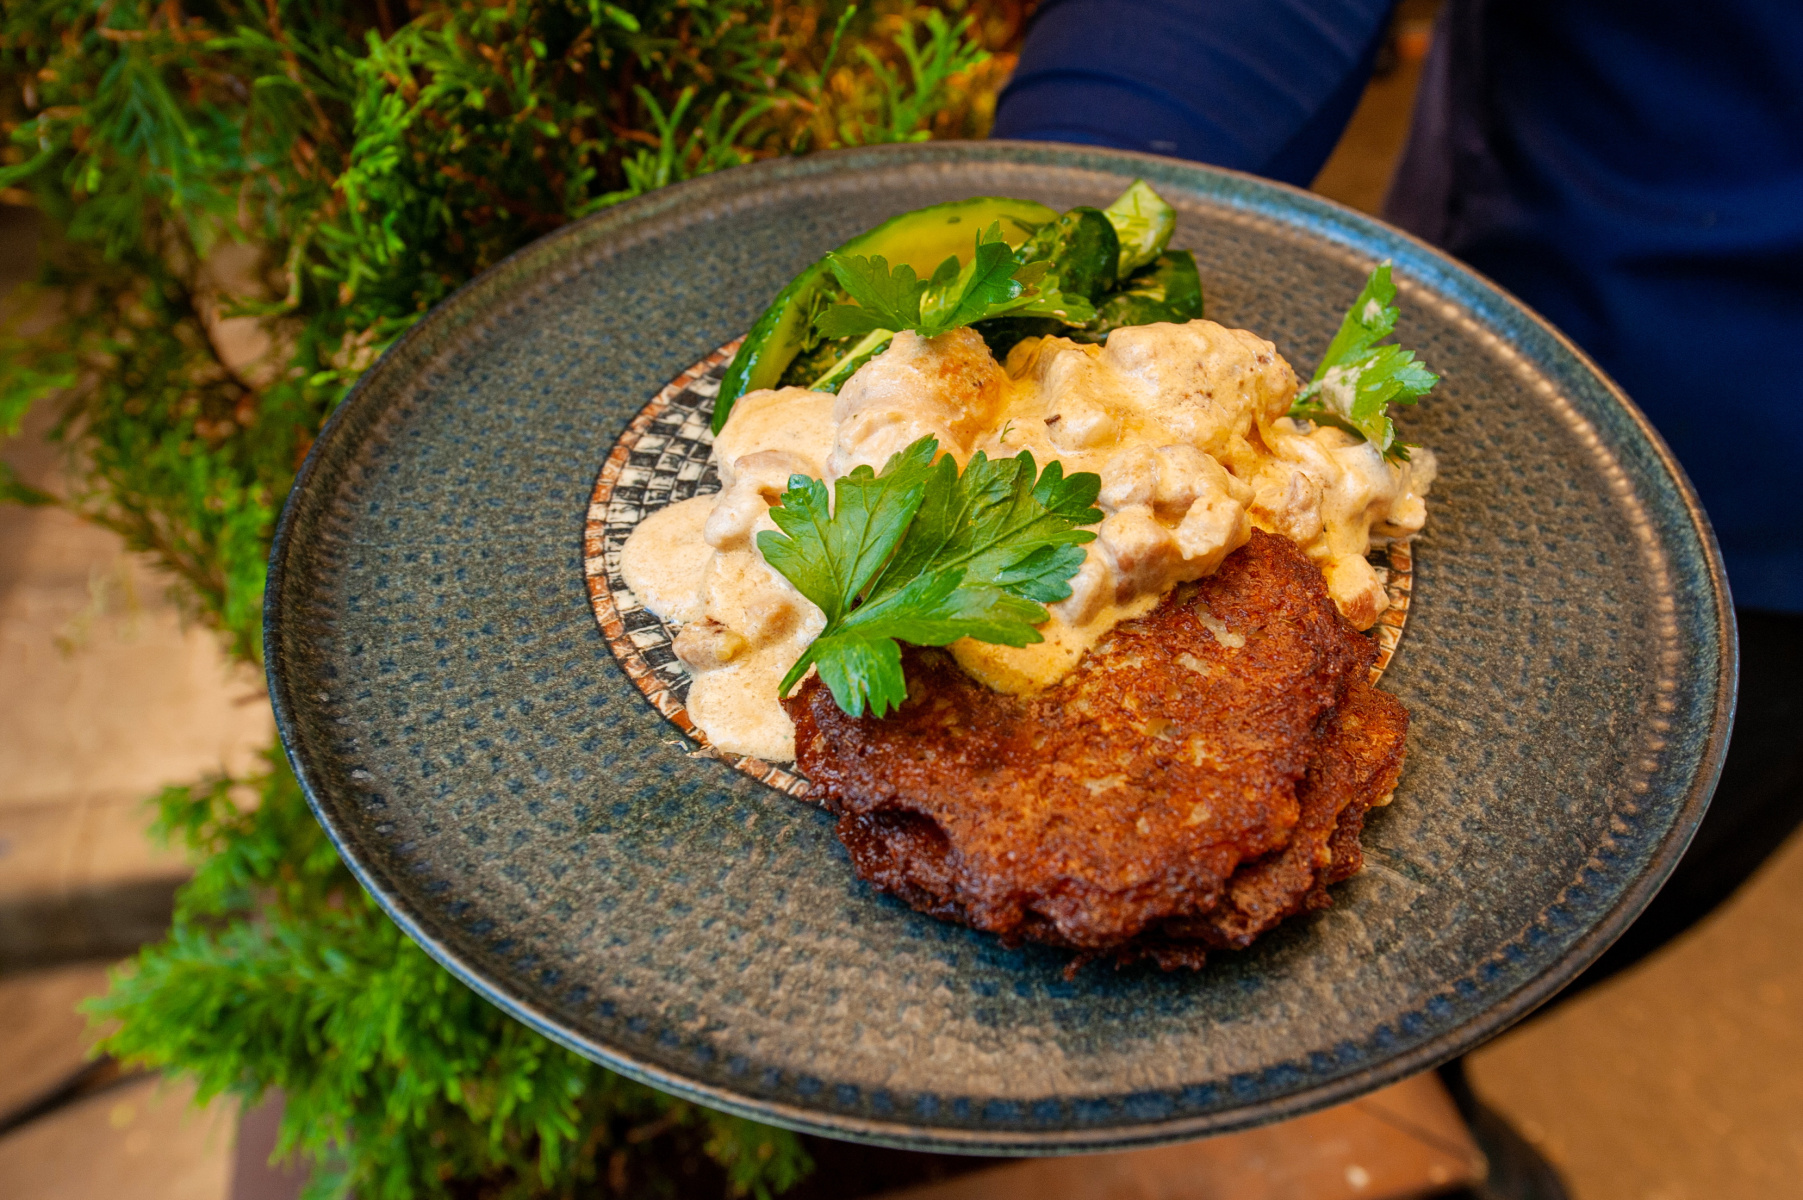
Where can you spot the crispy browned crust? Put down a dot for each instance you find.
(1178, 791)
(1356, 763)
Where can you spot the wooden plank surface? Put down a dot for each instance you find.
(1404, 1141)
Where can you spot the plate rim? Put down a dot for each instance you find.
(537, 261)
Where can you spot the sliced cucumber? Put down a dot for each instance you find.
(1144, 222)
(923, 239)
(867, 348)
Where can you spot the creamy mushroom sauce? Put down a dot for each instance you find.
(1184, 423)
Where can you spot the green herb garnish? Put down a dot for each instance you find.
(991, 284)
(1358, 379)
(922, 553)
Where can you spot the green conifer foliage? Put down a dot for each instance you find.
(323, 172)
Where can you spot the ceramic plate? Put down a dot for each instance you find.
(524, 810)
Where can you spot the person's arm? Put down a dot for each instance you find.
(1258, 85)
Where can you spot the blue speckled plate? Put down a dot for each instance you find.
(506, 792)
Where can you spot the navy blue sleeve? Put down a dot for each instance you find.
(1258, 85)
(1634, 170)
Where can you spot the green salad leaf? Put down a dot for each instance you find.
(1080, 274)
(926, 554)
(1359, 378)
(1167, 289)
(1081, 252)
(992, 284)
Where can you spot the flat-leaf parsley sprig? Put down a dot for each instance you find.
(991, 284)
(1358, 379)
(922, 553)
(997, 281)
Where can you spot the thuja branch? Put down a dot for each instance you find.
(377, 155)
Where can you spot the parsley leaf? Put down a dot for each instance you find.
(922, 553)
(886, 299)
(991, 284)
(831, 552)
(980, 288)
(848, 363)
(1359, 379)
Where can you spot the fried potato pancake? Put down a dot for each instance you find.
(1354, 768)
(1201, 775)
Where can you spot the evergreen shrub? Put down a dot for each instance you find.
(245, 202)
